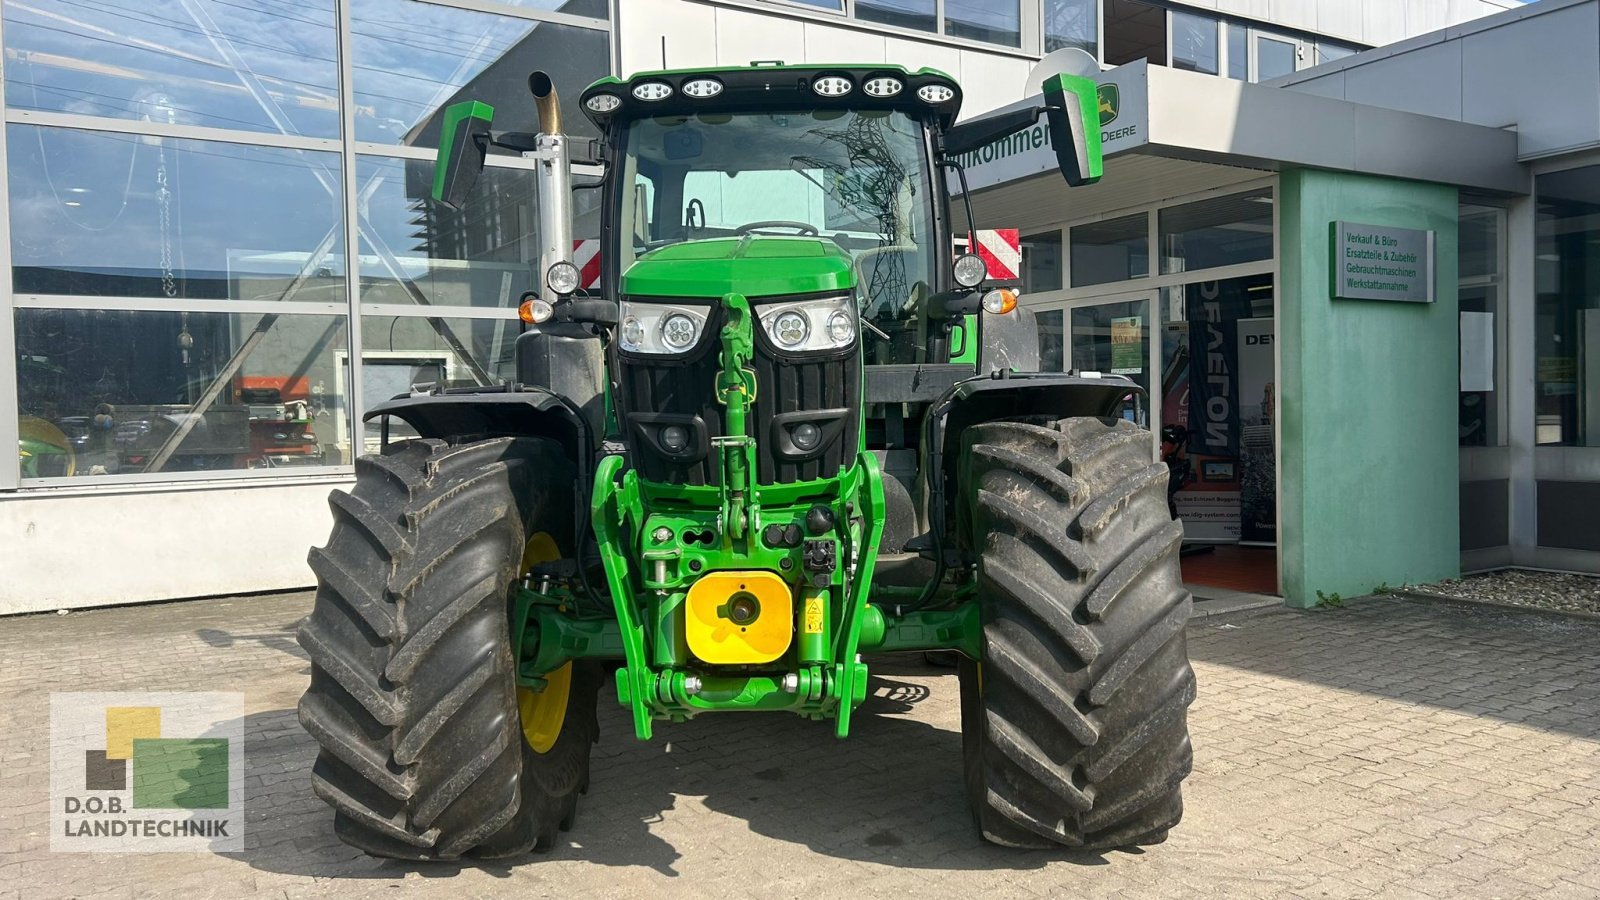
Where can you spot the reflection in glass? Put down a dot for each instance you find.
(1194, 43)
(121, 215)
(1072, 23)
(1113, 250)
(1274, 58)
(1567, 308)
(1052, 341)
(993, 21)
(414, 250)
(255, 65)
(118, 392)
(1238, 51)
(1222, 231)
(401, 352)
(411, 60)
(1041, 262)
(920, 15)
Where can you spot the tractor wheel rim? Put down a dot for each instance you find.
(543, 712)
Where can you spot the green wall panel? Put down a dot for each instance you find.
(1370, 487)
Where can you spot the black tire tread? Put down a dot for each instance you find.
(1078, 733)
(413, 698)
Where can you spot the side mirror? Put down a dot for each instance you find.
(1074, 109)
(463, 143)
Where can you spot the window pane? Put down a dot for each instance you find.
(1480, 242)
(1223, 231)
(121, 215)
(1135, 31)
(824, 4)
(1114, 250)
(414, 250)
(1480, 317)
(411, 60)
(256, 65)
(1041, 262)
(116, 392)
(1567, 308)
(1194, 43)
(1274, 58)
(994, 21)
(917, 14)
(1113, 337)
(1052, 341)
(1238, 52)
(1327, 52)
(1072, 23)
(594, 9)
(401, 351)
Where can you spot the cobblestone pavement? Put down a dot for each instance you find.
(1390, 748)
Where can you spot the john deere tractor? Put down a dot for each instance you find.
(791, 426)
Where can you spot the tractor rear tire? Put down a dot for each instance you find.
(1074, 723)
(413, 696)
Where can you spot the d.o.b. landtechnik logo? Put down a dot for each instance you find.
(136, 772)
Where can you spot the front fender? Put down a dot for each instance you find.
(458, 416)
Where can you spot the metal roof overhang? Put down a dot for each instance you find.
(1206, 119)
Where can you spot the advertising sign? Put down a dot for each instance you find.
(1124, 124)
(1371, 262)
(1258, 477)
(1214, 310)
(1127, 346)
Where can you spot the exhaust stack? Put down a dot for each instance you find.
(554, 177)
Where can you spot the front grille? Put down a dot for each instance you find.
(654, 390)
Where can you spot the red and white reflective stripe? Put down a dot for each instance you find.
(586, 256)
(1001, 251)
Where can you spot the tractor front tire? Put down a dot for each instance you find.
(1074, 722)
(413, 698)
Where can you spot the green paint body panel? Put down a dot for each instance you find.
(651, 536)
(765, 266)
(1370, 475)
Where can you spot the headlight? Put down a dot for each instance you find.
(827, 324)
(970, 270)
(562, 277)
(659, 328)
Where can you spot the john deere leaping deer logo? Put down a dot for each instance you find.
(1110, 103)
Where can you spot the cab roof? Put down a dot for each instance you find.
(763, 86)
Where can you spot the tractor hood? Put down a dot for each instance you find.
(755, 266)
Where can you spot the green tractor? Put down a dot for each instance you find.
(792, 426)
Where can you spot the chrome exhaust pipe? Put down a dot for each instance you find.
(554, 178)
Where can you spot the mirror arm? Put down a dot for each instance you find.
(966, 196)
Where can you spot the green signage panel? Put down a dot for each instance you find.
(1371, 262)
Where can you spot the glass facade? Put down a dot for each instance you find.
(1113, 250)
(1567, 304)
(185, 296)
(1223, 231)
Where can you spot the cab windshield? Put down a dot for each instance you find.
(857, 178)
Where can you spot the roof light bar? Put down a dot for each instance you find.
(882, 86)
(832, 85)
(652, 90)
(603, 103)
(935, 93)
(702, 88)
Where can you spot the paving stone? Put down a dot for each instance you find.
(1390, 748)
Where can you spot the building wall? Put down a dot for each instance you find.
(1536, 70)
(1370, 471)
(1374, 22)
(62, 550)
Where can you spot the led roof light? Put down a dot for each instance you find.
(832, 85)
(603, 103)
(935, 93)
(701, 88)
(652, 90)
(883, 86)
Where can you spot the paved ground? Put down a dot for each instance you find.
(1394, 748)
